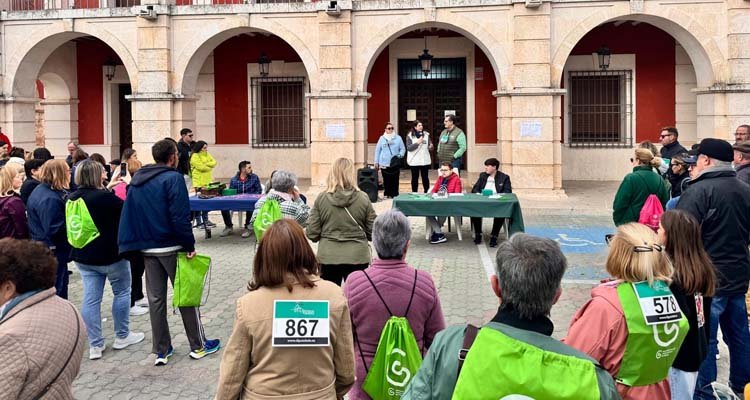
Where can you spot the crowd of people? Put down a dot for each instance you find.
(648, 333)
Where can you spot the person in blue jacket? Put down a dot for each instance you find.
(46, 213)
(245, 182)
(389, 145)
(156, 222)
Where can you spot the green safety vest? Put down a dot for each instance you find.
(498, 366)
(448, 144)
(651, 347)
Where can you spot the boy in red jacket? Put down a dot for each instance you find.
(448, 182)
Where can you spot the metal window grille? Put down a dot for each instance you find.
(442, 68)
(278, 112)
(600, 108)
(33, 5)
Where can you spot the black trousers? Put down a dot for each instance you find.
(338, 272)
(497, 223)
(137, 267)
(415, 172)
(390, 181)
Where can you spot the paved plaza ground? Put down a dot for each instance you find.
(459, 269)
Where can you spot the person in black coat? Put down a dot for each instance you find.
(498, 182)
(678, 175)
(32, 169)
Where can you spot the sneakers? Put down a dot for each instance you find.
(478, 239)
(209, 347)
(142, 302)
(95, 352)
(246, 233)
(226, 232)
(132, 338)
(137, 310)
(163, 359)
(493, 241)
(438, 238)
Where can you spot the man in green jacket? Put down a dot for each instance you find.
(514, 354)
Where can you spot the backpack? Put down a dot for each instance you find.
(397, 357)
(268, 213)
(651, 212)
(79, 225)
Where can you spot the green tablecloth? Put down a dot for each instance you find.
(468, 205)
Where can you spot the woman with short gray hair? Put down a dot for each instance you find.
(99, 260)
(390, 287)
(284, 191)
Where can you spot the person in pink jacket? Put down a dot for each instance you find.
(636, 312)
(405, 291)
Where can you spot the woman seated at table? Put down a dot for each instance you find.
(497, 182)
(448, 182)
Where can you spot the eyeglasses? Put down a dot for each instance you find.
(663, 136)
(444, 170)
(390, 128)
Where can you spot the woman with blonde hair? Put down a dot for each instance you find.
(285, 281)
(13, 222)
(341, 220)
(633, 325)
(46, 212)
(638, 186)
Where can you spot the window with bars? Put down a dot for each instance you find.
(442, 68)
(600, 108)
(278, 112)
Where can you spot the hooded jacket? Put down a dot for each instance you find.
(720, 203)
(46, 213)
(342, 240)
(157, 211)
(13, 221)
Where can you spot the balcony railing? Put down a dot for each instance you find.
(36, 5)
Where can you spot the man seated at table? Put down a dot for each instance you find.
(245, 182)
(498, 182)
(448, 182)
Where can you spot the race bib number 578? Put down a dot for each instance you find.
(301, 323)
(657, 302)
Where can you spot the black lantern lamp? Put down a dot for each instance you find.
(426, 59)
(110, 66)
(604, 55)
(263, 64)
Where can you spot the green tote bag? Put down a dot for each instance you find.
(190, 280)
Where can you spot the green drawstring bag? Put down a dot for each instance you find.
(397, 358)
(190, 279)
(80, 227)
(269, 213)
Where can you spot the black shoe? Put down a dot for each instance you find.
(478, 239)
(493, 241)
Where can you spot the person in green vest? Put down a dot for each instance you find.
(513, 354)
(633, 326)
(452, 143)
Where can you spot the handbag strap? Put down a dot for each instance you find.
(75, 346)
(469, 336)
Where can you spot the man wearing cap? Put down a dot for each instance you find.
(720, 204)
(742, 160)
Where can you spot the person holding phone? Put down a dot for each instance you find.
(418, 147)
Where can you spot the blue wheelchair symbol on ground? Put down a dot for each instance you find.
(588, 240)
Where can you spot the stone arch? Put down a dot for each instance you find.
(25, 63)
(190, 60)
(707, 58)
(55, 87)
(471, 30)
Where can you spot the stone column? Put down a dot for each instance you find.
(60, 124)
(337, 105)
(152, 100)
(530, 112)
(20, 119)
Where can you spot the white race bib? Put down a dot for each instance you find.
(658, 304)
(301, 323)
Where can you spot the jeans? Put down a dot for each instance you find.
(201, 217)
(416, 171)
(93, 277)
(227, 216)
(729, 312)
(436, 223)
(682, 383)
(62, 277)
(457, 163)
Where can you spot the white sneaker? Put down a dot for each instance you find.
(132, 338)
(142, 302)
(138, 310)
(95, 352)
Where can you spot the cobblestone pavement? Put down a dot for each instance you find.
(458, 268)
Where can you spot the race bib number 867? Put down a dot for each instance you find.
(301, 323)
